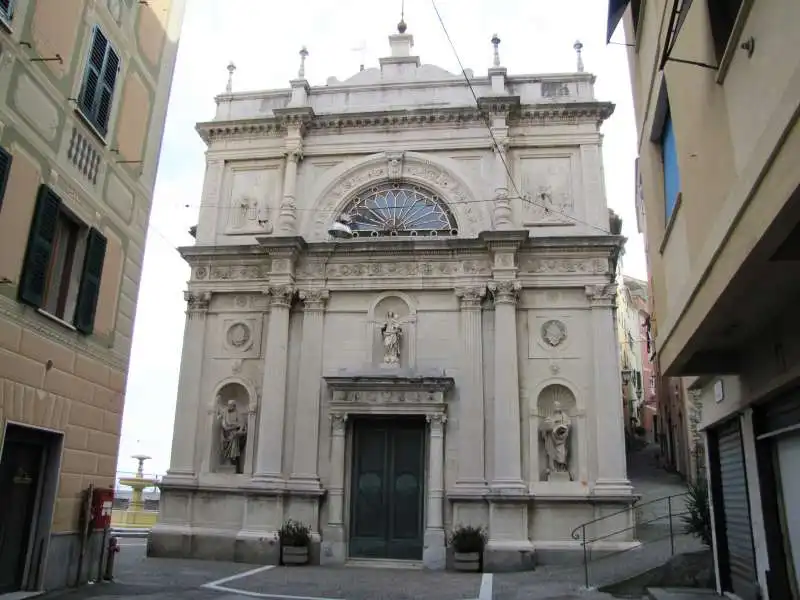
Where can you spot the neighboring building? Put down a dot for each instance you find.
(83, 97)
(425, 347)
(717, 99)
(631, 322)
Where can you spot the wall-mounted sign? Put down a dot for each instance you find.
(719, 391)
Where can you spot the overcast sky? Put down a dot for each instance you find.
(263, 38)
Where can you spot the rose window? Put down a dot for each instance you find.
(398, 209)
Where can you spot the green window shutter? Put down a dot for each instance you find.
(7, 9)
(108, 81)
(33, 282)
(89, 290)
(99, 81)
(5, 171)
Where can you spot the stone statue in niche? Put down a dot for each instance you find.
(391, 332)
(555, 431)
(233, 435)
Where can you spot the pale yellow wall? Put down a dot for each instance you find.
(17, 208)
(54, 30)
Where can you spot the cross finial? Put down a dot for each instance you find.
(301, 73)
(578, 46)
(231, 69)
(496, 44)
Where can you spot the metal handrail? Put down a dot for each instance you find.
(579, 533)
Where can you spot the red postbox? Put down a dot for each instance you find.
(102, 501)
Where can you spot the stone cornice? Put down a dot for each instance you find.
(544, 113)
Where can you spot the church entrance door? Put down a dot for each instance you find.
(386, 518)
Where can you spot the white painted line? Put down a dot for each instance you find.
(230, 590)
(219, 582)
(486, 587)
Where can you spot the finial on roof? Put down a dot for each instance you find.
(301, 73)
(231, 69)
(578, 46)
(401, 26)
(496, 44)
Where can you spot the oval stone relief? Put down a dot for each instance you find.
(554, 332)
(239, 335)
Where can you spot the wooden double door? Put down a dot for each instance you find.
(387, 489)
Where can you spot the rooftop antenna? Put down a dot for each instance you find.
(401, 26)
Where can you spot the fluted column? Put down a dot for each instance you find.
(269, 456)
(306, 421)
(434, 552)
(287, 219)
(190, 402)
(336, 489)
(507, 430)
(471, 433)
(607, 406)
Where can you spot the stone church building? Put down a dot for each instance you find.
(400, 319)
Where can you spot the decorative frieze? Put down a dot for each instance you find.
(402, 269)
(388, 397)
(546, 266)
(229, 272)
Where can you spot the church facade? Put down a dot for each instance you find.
(400, 320)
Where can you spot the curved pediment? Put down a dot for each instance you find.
(377, 76)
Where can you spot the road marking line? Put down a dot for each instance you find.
(219, 582)
(230, 590)
(486, 587)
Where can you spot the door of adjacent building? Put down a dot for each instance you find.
(387, 491)
(21, 466)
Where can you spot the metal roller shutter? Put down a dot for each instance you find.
(736, 508)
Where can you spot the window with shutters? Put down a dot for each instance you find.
(99, 82)
(6, 11)
(5, 171)
(63, 264)
(723, 15)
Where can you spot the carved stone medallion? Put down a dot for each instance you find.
(239, 336)
(554, 332)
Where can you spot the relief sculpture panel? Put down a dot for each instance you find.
(253, 194)
(547, 183)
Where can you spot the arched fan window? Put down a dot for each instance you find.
(398, 209)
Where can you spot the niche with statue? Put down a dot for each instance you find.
(557, 436)
(231, 430)
(392, 319)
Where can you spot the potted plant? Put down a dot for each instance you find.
(468, 543)
(295, 539)
(697, 520)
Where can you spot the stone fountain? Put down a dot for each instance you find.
(135, 515)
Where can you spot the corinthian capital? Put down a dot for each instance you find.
(602, 294)
(281, 295)
(506, 291)
(471, 297)
(197, 302)
(314, 299)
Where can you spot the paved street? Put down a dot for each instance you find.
(159, 579)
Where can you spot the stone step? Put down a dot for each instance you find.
(680, 594)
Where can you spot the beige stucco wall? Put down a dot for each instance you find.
(727, 124)
(81, 393)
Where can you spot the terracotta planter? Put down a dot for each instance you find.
(294, 555)
(467, 561)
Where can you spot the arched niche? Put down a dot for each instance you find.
(405, 309)
(443, 176)
(231, 396)
(555, 397)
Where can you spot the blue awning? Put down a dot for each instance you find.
(616, 8)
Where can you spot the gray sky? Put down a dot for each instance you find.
(263, 38)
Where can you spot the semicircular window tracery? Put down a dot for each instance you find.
(398, 209)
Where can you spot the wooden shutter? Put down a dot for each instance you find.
(5, 170)
(33, 282)
(7, 9)
(108, 81)
(89, 290)
(94, 69)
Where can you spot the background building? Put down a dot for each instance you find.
(717, 98)
(634, 359)
(83, 98)
(472, 302)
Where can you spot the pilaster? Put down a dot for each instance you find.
(612, 477)
(507, 476)
(333, 550)
(434, 553)
(189, 404)
(306, 438)
(471, 475)
(269, 455)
